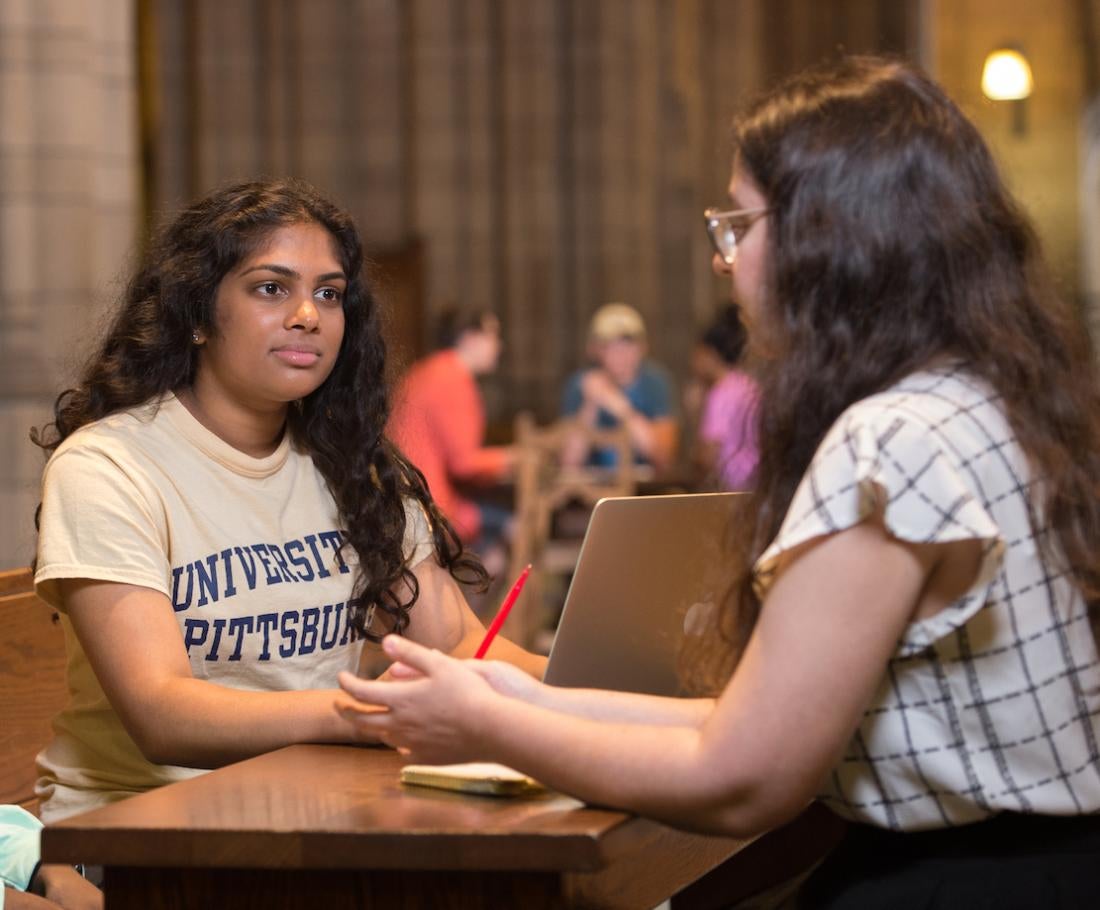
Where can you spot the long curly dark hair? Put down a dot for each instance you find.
(147, 352)
(894, 243)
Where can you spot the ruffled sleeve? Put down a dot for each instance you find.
(929, 490)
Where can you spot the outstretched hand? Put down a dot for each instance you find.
(505, 678)
(400, 672)
(431, 709)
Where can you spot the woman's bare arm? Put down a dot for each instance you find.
(136, 650)
(826, 632)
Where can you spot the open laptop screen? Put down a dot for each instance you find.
(648, 566)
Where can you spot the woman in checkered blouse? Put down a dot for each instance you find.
(908, 638)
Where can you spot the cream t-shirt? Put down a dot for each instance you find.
(245, 549)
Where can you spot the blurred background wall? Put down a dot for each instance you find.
(69, 214)
(538, 157)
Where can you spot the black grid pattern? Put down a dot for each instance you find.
(991, 704)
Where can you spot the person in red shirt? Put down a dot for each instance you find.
(438, 421)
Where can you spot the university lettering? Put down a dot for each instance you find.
(217, 576)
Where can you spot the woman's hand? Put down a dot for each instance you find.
(505, 678)
(508, 679)
(600, 389)
(431, 717)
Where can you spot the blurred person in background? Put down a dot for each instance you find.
(438, 422)
(621, 386)
(723, 396)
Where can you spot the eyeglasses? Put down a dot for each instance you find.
(727, 229)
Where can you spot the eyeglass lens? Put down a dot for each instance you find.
(722, 236)
(727, 229)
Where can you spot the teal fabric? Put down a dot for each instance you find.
(651, 394)
(19, 847)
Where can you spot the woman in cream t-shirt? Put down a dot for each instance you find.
(223, 524)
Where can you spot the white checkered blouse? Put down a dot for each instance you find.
(992, 703)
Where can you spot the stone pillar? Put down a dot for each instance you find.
(68, 208)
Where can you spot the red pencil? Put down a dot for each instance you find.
(502, 613)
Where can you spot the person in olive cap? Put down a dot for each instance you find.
(622, 386)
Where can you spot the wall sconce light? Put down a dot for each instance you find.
(1006, 76)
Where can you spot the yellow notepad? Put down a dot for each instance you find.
(472, 777)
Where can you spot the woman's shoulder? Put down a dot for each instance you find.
(934, 449)
(736, 382)
(947, 419)
(938, 401)
(654, 372)
(121, 431)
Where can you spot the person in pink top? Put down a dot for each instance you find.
(726, 450)
(438, 421)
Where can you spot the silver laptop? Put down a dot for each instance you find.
(649, 568)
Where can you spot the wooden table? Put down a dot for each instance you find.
(331, 827)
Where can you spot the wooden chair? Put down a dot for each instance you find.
(32, 684)
(544, 488)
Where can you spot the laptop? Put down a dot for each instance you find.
(650, 567)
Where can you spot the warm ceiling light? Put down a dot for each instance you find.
(1006, 75)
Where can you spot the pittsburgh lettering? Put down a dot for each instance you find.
(288, 634)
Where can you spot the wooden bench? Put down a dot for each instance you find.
(544, 487)
(32, 684)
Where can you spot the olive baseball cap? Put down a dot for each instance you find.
(616, 320)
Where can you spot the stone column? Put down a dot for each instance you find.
(68, 208)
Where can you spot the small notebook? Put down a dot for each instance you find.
(472, 777)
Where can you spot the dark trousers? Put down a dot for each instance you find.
(1010, 861)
